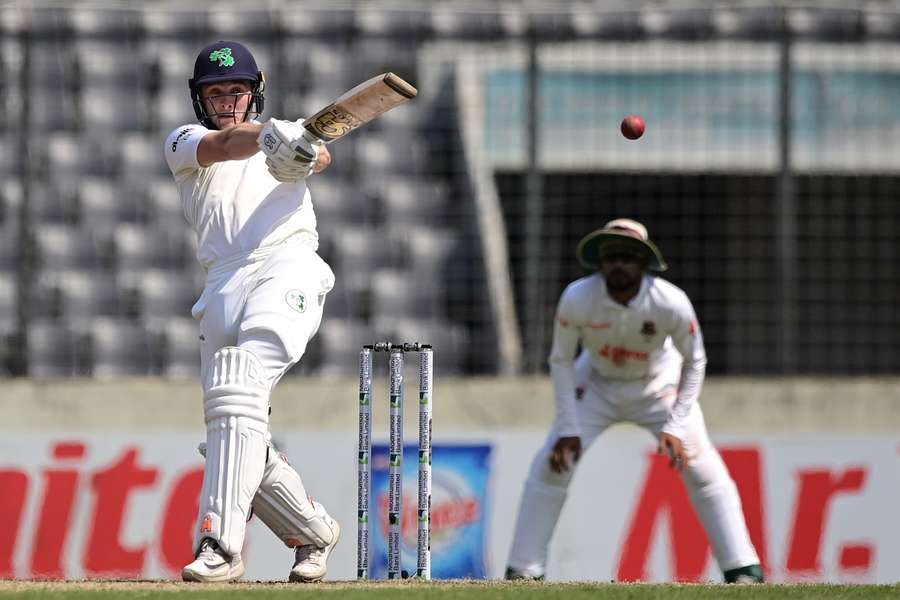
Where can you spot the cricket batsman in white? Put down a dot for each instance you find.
(643, 361)
(242, 185)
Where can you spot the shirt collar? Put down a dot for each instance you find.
(607, 299)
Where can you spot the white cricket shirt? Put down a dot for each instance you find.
(236, 206)
(657, 332)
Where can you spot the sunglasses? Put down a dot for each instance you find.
(623, 257)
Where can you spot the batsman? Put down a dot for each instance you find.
(243, 188)
(642, 360)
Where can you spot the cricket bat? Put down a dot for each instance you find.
(368, 100)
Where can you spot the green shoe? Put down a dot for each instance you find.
(748, 574)
(519, 575)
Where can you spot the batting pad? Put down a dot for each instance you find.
(236, 410)
(282, 504)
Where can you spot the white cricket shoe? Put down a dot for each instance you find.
(311, 562)
(213, 565)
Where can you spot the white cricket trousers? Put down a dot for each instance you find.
(270, 304)
(711, 489)
(257, 314)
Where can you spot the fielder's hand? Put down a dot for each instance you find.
(289, 154)
(566, 453)
(672, 446)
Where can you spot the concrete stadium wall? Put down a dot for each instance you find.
(486, 404)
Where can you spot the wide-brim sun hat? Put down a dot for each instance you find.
(619, 233)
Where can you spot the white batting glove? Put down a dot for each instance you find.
(289, 155)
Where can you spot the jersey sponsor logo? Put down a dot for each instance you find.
(648, 329)
(223, 55)
(619, 355)
(296, 300)
(182, 135)
(599, 325)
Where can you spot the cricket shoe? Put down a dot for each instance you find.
(748, 574)
(515, 574)
(213, 565)
(311, 562)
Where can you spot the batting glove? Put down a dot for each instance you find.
(290, 156)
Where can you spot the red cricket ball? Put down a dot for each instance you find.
(632, 127)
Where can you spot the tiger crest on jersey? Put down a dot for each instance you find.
(223, 55)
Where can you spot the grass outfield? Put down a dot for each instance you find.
(445, 589)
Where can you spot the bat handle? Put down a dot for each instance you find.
(312, 138)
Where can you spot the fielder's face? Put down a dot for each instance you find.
(622, 268)
(227, 102)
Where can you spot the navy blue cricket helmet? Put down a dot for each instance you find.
(226, 61)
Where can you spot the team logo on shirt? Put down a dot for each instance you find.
(296, 300)
(649, 329)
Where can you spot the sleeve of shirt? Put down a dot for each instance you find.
(688, 340)
(181, 149)
(566, 335)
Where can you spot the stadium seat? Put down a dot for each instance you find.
(105, 61)
(73, 296)
(70, 154)
(340, 341)
(48, 203)
(10, 250)
(157, 293)
(410, 200)
(111, 107)
(120, 348)
(318, 66)
(164, 207)
(10, 201)
(397, 293)
(398, 151)
(9, 301)
(426, 250)
(61, 247)
(102, 204)
(174, 106)
(142, 157)
(89, 22)
(56, 350)
(337, 202)
(180, 24)
(361, 249)
(138, 247)
(181, 348)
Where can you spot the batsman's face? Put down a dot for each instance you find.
(622, 268)
(227, 102)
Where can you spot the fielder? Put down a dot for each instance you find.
(242, 185)
(642, 361)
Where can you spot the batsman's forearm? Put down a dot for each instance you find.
(239, 141)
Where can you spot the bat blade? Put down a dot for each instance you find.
(368, 100)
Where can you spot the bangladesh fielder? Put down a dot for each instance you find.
(242, 185)
(643, 361)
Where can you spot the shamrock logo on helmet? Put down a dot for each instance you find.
(223, 55)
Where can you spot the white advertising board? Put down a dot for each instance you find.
(821, 507)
